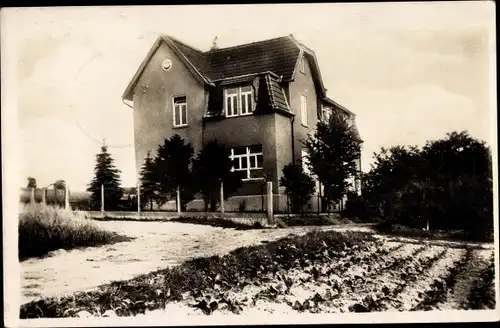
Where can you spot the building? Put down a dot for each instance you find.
(260, 99)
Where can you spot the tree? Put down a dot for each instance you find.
(58, 186)
(31, 182)
(333, 150)
(105, 173)
(173, 170)
(447, 184)
(299, 186)
(148, 181)
(212, 166)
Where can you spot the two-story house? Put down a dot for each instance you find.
(259, 99)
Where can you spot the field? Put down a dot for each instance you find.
(320, 272)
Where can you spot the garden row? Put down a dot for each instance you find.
(318, 272)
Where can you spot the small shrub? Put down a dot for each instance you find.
(242, 206)
(299, 186)
(43, 229)
(357, 207)
(313, 220)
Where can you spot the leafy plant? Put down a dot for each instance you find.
(482, 295)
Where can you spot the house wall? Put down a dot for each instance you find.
(153, 104)
(303, 84)
(247, 131)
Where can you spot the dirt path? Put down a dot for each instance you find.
(157, 245)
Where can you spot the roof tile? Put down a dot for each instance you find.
(277, 55)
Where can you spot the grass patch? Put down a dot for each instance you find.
(152, 291)
(218, 222)
(313, 220)
(43, 229)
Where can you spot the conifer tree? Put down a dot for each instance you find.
(173, 170)
(105, 173)
(148, 182)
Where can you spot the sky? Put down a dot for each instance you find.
(410, 71)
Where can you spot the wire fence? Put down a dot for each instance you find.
(256, 203)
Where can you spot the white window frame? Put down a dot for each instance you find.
(247, 157)
(244, 95)
(303, 110)
(234, 102)
(238, 109)
(181, 108)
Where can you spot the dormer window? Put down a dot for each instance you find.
(239, 101)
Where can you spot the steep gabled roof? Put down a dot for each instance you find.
(188, 55)
(278, 55)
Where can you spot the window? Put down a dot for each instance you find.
(303, 109)
(246, 100)
(239, 101)
(180, 112)
(326, 113)
(247, 162)
(231, 102)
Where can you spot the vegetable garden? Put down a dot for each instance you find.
(321, 272)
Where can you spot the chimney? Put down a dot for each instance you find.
(214, 44)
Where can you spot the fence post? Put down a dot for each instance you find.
(139, 198)
(102, 199)
(66, 196)
(269, 193)
(178, 201)
(32, 195)
(221, 199)
(44, 196)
